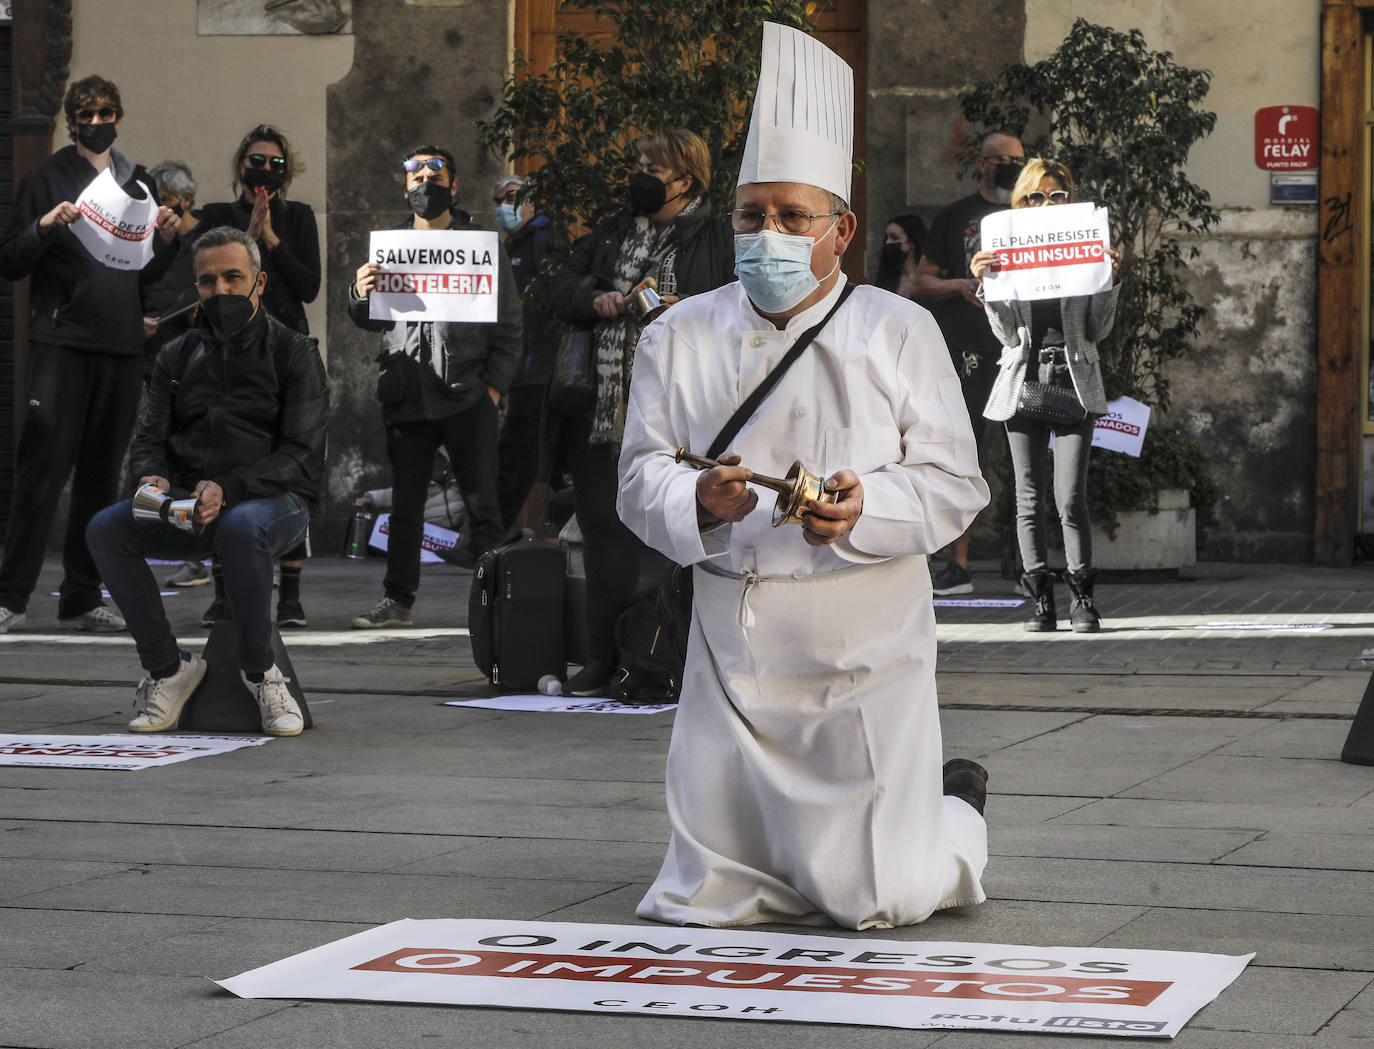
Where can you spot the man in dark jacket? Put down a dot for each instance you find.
(527, 245)
(422, 408)
(84, 367)
(236, 418)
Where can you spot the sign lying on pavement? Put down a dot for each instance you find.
(120, 753)
(562, 705)
(435, 540)
(755, 976)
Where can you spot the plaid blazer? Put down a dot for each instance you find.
(1087, 321)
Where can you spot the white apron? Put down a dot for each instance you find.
(804, 775)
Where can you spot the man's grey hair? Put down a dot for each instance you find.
(174, 177)
(223, 235)
(499, 190)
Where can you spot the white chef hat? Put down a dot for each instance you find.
(802, 126)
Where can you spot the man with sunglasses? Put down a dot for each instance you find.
(944, 284)
(84, 367)
(423, 409)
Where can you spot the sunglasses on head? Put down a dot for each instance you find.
(105, 113)
(414, 164)
(1036, 199)
(261, 160)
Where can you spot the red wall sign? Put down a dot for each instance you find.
(1287, 138)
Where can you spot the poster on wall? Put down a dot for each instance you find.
(273, 17)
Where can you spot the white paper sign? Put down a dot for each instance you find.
(434, 275)
(434, 539)
(114, 227)
(561, 705)
(120, 753)
(1047, 253)
(756, 976)
(1123, 428)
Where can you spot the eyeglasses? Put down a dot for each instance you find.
(1005, 158)
(105, 113)
(751, 220)
(414, 164)
(262, 160)
(1059, 196)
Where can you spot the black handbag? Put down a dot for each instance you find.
(572, 386)
(655, 676)
(1050, 404)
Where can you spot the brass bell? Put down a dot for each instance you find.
(798, 488)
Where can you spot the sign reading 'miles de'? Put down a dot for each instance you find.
(1048, 252)
(434, 275)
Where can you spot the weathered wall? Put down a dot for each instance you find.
(423, 72)
(192, 98)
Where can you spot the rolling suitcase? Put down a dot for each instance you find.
(515, 613)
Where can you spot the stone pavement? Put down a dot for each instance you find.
(1167, 784)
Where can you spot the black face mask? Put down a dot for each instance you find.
(264, 178)
(227, 315)
(96, 137)
(177, 210)
(1004, 176)
(647, 194)
(892, 257)
(429, 200)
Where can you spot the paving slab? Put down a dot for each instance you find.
(39, 939)
(546, 858)
(1301, 815)
(1297, 941)
(1295, 738)
(20, 878)
(1337, 852)
(1259, 780)
(1089, 841)
(1356, 1020)
(1282, 1001)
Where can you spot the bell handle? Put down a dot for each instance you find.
(776, 484)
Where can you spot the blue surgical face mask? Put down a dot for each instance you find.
(508, 218)
(775, 268)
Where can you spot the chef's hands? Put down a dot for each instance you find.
(723, 495)
(823, 523)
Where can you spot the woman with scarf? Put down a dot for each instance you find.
(667, 232)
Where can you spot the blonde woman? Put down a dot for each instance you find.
(1051, 341)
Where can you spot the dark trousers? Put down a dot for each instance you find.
(470, 439)
(611, 552)
(1029, 441)
(521, 438)
(81, 409)
(246, 539)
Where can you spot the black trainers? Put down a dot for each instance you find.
(952, 579)
(219, 609)
(290, 613)
(591, 680)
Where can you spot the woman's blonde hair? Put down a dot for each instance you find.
(1029, 181)
(681, 151)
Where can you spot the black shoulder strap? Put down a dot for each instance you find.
(752, 402)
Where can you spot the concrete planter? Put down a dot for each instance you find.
(1148, 541)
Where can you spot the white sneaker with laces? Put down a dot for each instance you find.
(9, 619)
(158, 701)
(280, 715)
(102, 619)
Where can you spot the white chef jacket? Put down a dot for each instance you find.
(804, 774)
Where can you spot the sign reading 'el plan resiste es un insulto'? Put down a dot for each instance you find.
(1047, 252)
(744, 975)
(434, 275)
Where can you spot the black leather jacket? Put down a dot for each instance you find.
(249, 414)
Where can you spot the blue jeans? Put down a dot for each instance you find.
(246, 540)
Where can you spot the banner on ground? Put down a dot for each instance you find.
(434, 275)
(1047, 253)
(114, 227)
(755, 976)
(540, 704)
(434, 539)
(119, 753)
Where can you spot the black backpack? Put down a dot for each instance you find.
(651, 642)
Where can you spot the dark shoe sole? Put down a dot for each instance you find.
(966, 780)
(1040, 628)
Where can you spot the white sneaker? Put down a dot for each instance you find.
(280, 715)
(158, 701)
(9, 619)
(102, 619)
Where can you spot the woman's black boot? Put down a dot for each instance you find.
(1040, 586)
(1083, 614)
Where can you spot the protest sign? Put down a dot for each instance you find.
(756, 976)
(435, 540)
(1047, 253)
(434, 275)
(114, 227)
(120, 753)
(1123, 428)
